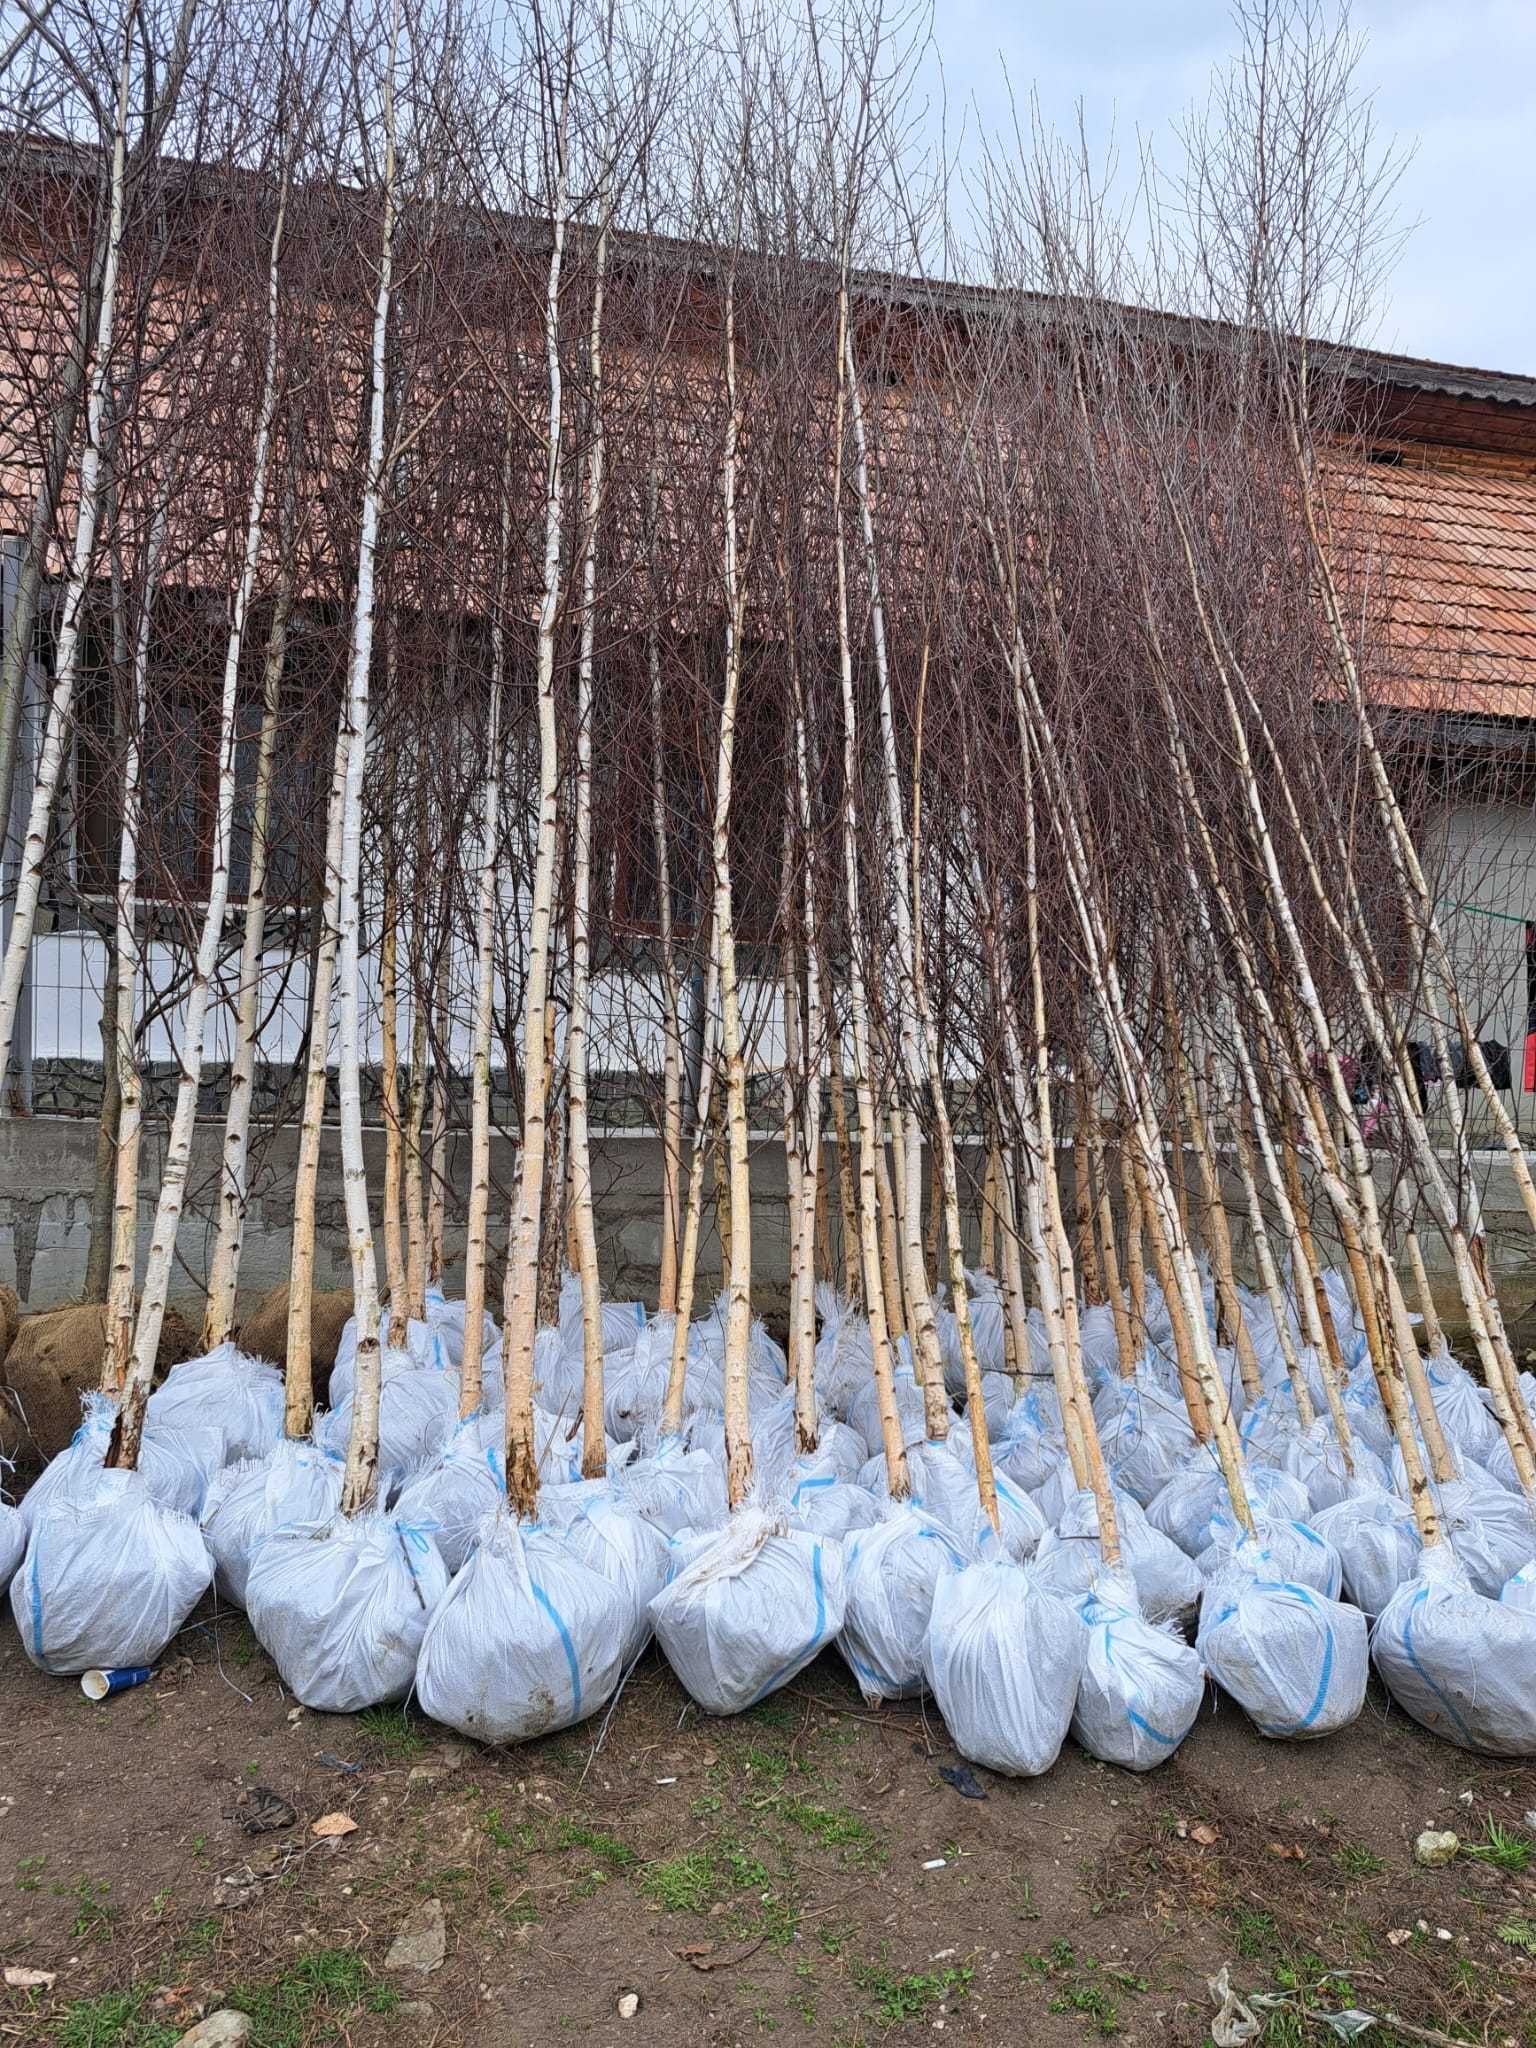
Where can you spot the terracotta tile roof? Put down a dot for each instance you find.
(1459, 544)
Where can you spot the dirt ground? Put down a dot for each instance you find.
(806, 1872)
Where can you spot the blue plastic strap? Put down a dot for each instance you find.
(1411, 1654)
(37, 1591)
(566, 1644)
(817, 1634)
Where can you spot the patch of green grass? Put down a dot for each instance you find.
(607, 1848)
(681, 1884)
(1094, 2003)
(199, 1938)
(1504, 1849)
(834, 1827)
(894, 2001)
(501, 1836)
(706, 1804)
(93, 1915)
(392, 1730)
(1520, 1934)
(114, 2020)
(1354, 1860)
(766, 1763)
(745, 1872)
(325, 1985)
(1253, 1932)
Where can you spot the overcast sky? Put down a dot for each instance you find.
(1453, 79)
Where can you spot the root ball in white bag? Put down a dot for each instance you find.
(299, 1483)
(1462, 1665)
(224, 1390)
(1141, 1687)
(527, 1640)
(108, 1578)
(341, 1610)
(749, 1610)
(889, 1576)
(1003, 1660)
(1293, 1659)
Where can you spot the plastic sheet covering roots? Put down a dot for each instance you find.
(108, 1578)
(297, 1483)
(1462, 1665)
(228, 1391)
(1141, 1687)
(177, 1464)
(1377, 1541)
(13, 1541)
(1003, 1659)
(1168, 1584)
(1293, 1659)
(341, 1610)
(749, 1610)
(889, 1575)
(453, 1496)
(676, 1489)
(528, 1639)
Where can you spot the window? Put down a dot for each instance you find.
(179, 757)
(689, 742)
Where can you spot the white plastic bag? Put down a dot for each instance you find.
(1194, 1500)
(1491, 1531)
(177, 1464)
(108, 1578)
(1294, 1660)
(1168, 1584)
(1459, 1403)
(453, 1496)
(889, 1575)
(845, 1354)
(626, 1551)
(944, 1483)
(864, 1412)
(750, 1611)
(1143, 1440)
(228, 1391)
(1520, 1590)
(824, 1504)
(418, 1412)
(1462, 1665)
(635, 1380)
(1003, 1659)
(527, 1639)
(341, 1610)
(1315, 1457)
(1141, 1687)
(1377, 1541)
(1277, 1549)
(296, 1483)
(13, 1541)
(675, 1489)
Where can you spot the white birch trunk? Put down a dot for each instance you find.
(594, 1454)
(522, 1283)
(125, 966)
(224, 1269)
(178, 1150)
(29, 877)
(360, 1481)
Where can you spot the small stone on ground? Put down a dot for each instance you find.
(224, 2029)
(422, 1941)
